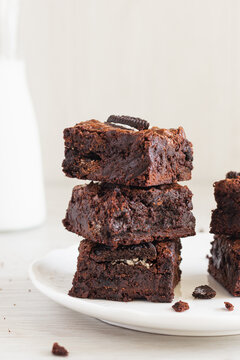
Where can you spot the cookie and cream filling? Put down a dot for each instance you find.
(132, 262)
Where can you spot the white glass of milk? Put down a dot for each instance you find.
(22, 201)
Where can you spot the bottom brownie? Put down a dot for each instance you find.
(146, 271)
(224, 265)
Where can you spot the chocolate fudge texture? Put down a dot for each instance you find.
(108, 153)
(114, 214)
(224, 264)
(226, 218)
(146, 271)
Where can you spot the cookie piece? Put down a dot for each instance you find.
(136, 123)
(204, 292)
(232, 175)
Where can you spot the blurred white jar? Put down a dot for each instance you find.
(22, 201)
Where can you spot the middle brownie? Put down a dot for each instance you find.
(114, 214)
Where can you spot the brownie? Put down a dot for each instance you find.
(114, 214)
(146, 271)
(108, 153)
(227, 223)
(226, 218)
(224, 264)
(227, 193)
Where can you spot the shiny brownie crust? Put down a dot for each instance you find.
(103, 152)
(114, 214)
(146, 271)
(224, 264)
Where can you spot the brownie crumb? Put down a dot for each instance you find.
(59, 350)
(229, 306)
(204, 292)
(232, 175)
(180, 306)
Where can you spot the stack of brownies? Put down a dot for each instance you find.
(133, 217)
(224, 264)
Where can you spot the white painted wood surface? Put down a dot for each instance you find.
(30, 322)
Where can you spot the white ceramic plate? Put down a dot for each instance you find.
(53, 274)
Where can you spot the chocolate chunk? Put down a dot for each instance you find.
(136, 123)
(204, 292)
(59, 350)
(232, 175)
(180, 306)
(229, 306)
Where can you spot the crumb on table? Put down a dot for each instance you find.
(59, 350)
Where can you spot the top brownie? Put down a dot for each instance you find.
(109, 153)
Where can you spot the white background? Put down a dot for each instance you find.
(172, 62)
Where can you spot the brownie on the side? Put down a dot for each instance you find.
(226, 218)
(114, 214)
(146, 271)
(224, 264)
(105, 152)
(227, 192)
(227, 223)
